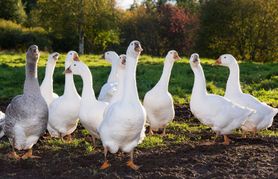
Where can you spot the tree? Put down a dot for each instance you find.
(75, 23)
(160, 28)
(12, 10)
(248, 29)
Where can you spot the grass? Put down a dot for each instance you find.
(260, 80)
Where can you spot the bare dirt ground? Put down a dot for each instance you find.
(253, 157)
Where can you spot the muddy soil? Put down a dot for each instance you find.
(253, 157)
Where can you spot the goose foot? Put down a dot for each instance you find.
(29, 154)
(226, 140)
(133, 166)
(105, 165)
(13, 155)
(209, 143)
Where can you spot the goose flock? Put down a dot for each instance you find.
(117, 117)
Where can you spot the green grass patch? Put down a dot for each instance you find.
(258, 79)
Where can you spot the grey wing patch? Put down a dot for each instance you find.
(2, 121)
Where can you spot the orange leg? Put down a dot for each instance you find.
(105, 164)
(13, 154)
(244, 134)
(131, 164)
(226, 140)
(164, 131)
(254, 132)
(29, 154)
(150, 131)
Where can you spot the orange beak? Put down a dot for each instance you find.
(218, 61)
(176, 56)
(75, 57)
(68, 70)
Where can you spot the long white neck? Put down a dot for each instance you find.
(130, 86)
(69, 85)
(163, 83)
(112, 76)
(199, 87)
(120, 90)
(88, 93)
(48, 77)
(233, 83)
(31, 84)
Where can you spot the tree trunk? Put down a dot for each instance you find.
(81, 42)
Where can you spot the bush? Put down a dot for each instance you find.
(16, 37)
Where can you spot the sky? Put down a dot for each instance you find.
(125, 4)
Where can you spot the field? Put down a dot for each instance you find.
(179, 154)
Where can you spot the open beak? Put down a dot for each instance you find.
(218, 61)
(75, 57)
(138, 48)
(176, 56)
(68, 70)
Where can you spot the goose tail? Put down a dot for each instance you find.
(2, 121)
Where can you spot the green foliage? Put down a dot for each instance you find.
(15, 36)
(160, 27)
(12, 10)
(247, 29)
(96, 21)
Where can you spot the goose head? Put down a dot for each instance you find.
(52, 58)
(70, 58)
(194, 60)
(33, 54)
(226, 60)
(111, 56)
(122, 61)
(172, 56)
(134, 49)
(77, 67)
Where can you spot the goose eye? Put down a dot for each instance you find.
(74, 64)
(224, 57)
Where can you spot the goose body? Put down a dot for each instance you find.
(123, 124)
(47, 86)
(63, 111)
(218, 112)
(110, 87)
(2, 121)
(158, 102)
(91, 110)
(26, 116)
(263, 117)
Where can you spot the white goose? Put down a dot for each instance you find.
(263, 117)
(123, 124)
(158, 102)
(2, 121)
(218, 112)
(47, 83)
(91, 110)
(120, 79)
(63, 111)
(110, 87)
(47, 86)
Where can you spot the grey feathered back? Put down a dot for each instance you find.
(29, 110)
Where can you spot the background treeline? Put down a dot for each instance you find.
(247, 29)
